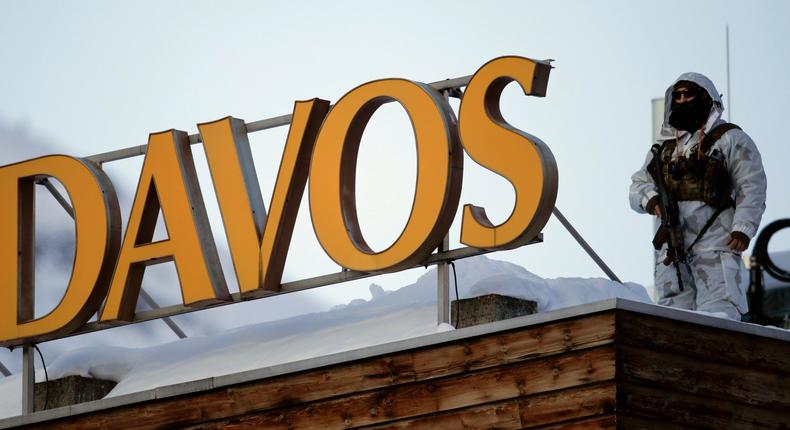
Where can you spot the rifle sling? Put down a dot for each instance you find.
(661, 233)
(707, 143)
(714, 135)
(708, 224)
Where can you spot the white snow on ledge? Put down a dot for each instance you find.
(387, 317)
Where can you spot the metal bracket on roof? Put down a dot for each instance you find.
(586, 246)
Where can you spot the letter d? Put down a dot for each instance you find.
(97, 222)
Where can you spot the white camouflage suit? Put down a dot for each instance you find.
(715, 279)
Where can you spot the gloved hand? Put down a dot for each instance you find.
(653, 207)
(738, 241)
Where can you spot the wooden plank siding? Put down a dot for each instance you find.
(673, 375)
(609, 368)
(511, 365)
(440, 395)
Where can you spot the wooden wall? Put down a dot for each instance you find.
(674, 375)
(606, 370)
(525, 378)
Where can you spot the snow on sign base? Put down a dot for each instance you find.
(388, 316)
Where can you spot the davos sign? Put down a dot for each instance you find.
(322, 144)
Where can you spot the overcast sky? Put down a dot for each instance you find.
(86, 77)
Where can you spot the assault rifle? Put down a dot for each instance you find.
(669, 231)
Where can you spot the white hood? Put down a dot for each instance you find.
(669, 132)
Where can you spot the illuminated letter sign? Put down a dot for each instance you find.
(333, 172)
(322, 144)
(259, 243)
(167, 181)
(97, 223)
(522, 159)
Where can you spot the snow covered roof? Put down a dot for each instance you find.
(389, 316)
(402, 345)
(384, 322)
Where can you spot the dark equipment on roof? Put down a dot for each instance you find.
(769, 298)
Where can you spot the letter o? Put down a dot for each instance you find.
(333, 174)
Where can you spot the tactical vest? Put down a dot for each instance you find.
(703, 179)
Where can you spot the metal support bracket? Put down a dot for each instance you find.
(56, 194)
(443, 267)
(565, 223)
(443, 285)
(28, 380)
(169, 321)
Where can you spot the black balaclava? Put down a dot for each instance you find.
(691, 115)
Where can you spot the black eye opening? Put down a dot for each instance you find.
(688, 92)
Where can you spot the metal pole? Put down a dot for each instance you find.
(564, 221)
(169, 321)
(56, 194)
(443, 268)
(143, 294)
(443, 285)
(28, 380)
(4, 370)
(264, 124)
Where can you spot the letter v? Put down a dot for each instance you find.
(259, 243)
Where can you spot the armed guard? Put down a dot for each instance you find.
(705, 181)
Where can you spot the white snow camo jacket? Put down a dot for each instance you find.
(743, 163)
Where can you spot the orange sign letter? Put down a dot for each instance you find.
(333, 175)
(167, 181)
(98, 227)
(520, 158)
(259, 256)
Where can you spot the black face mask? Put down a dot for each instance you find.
(691, 115)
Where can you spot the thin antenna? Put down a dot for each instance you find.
(729, 92)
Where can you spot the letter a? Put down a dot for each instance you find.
(168, 181)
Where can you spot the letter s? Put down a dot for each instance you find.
(522, 159)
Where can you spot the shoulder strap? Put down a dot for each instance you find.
(707, 143)
(730, 204)
(715, 135)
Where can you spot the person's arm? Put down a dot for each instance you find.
(745, 167)
(642, 194)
